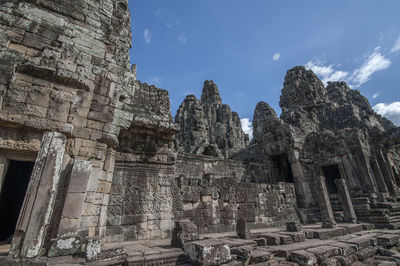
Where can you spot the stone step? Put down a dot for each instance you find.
(276, 239)
(361, 200)
(324, 252)
(259, 256)
(338, 215)
(303, 257)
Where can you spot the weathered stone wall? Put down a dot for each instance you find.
(141, 205)
(150, 192)
(65, 67)
(215, 204)
(198, 166)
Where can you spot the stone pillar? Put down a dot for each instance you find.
(242, 229)
(363, 165)
(349, 213)
(75, 198)
(379, 177)
(328, 220)
(37, 208)
(3, 169)
(108, 168)
(303, 198)
(386, 172)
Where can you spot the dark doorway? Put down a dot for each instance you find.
(210, 151)
(285, 168)
(331, 173)
(12, 196)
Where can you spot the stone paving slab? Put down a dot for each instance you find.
(346, 249)
(363, 241)
(324, 252)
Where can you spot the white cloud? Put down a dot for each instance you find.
(247, 127)
(182, 38)
(375, 96)
(396, 46)
(326, 73)
(157, 81)
(276, 56)
(375, 62)
(391, 111)
(172, 22)
(147, 35)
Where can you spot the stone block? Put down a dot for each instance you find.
(293, 226)
(75, 205)
(345, 248)
(366, 253)
(93, 249)
(346, 260)
(242, 252)
(352, 228)
(277, 239)
(64, 246)
(34, 110)
(324, 252)
(184, 231)
(242, 229)
(388, 240)
(261, 242)
(207, 252)
(296, 236)
(39, 96)
(362, 241)
(330, 262)
(303, 257)
(155, 234)
(272, 239)
(260, 256)
(80, 176)
(130, 232)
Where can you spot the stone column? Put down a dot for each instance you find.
(3, 169)
(299, 180)
(363, 164)
(38, 205)
(349, 213)
(328, 220)
(75, 198)
(379, 177)
(387, 174)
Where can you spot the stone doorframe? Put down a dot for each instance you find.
(342, 187)
(37, 209)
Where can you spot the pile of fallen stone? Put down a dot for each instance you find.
(344, 245)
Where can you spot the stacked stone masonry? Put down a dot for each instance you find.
(102, 159)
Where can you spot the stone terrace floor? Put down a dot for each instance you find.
(348, 244)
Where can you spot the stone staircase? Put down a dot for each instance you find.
(381, 214)
(385, 215)
(337, 207)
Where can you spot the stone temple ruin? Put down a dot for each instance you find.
(94, 170)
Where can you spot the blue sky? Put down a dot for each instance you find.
(246, 47)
